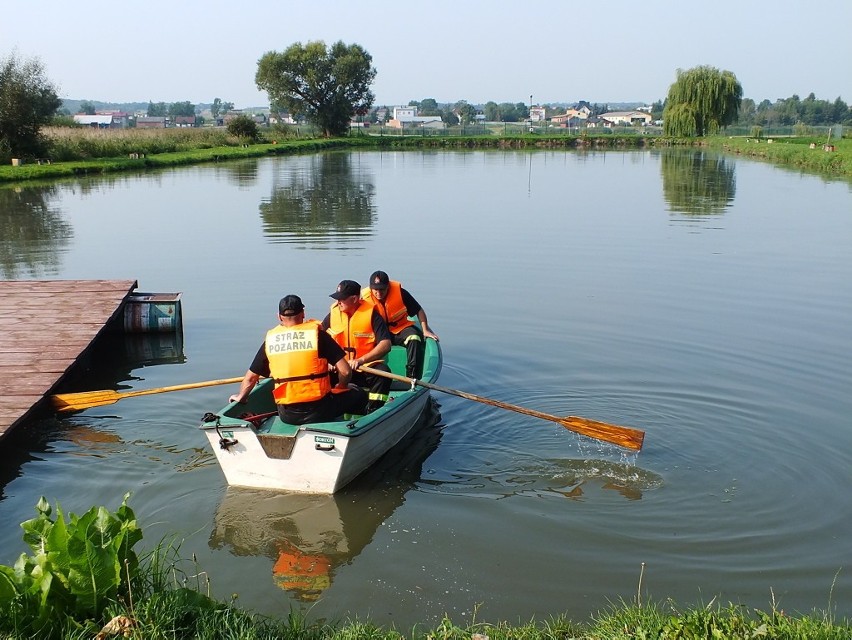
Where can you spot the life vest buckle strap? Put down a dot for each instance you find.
(309, 376)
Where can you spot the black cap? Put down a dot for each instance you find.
(290, 306)
(379, 280)
(345, 289)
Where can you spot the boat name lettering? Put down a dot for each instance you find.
(228, 434)
(323, 440)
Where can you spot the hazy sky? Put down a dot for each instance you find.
(615, 51)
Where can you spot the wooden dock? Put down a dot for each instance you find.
(45, 326)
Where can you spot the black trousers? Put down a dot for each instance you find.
(326, 409)
(378, 387)
(412, 339)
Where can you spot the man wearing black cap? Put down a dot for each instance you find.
(396, 305)
(297, 353)
(358, 328)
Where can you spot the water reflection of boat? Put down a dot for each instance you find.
(319, 457)
(309, 536)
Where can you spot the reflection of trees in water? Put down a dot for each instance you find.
(697, 183)
(326, 201)
(240, 173)
(32, 233)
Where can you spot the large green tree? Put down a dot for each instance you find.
(28, 100)
(185, 108)
(325, 85)
(157, 110)
(701, 101)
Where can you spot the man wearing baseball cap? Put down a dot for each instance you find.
(297, 354)
(395, 304)
(363, 334)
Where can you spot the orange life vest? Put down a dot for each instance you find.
(392, 308)
(294, 363)
(353, 333)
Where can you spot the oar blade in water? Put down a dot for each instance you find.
(87, 400)
(626, 437)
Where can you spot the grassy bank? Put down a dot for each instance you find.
(181, 615)
(84, 579)
(806, 153)
(76, 152)
(185, 613)
(79, 152)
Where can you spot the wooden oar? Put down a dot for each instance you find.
(88, 399)
(626, 437)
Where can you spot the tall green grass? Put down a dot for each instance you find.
(67, 144)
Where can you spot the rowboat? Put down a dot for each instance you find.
(256, 449)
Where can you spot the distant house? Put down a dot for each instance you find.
(119, 118)
(186, 121)
(95, 122)
(235, 113)
(628, 117)
(538, 114)
(578, 112)
(151, 122)
(281, 118)
(570, 123)
(570, 114)
(407, 118)
(595, 122)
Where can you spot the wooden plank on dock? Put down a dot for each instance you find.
(45, 326)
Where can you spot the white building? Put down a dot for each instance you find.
(627, 117)
(96, 122)
(407, 118)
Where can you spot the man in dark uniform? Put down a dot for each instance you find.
(395, 304)
(297, 354)
(363, 334)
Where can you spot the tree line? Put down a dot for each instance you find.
(163, 109)
(328, 86)
(785, 112)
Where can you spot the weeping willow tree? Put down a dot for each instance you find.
(701, 101)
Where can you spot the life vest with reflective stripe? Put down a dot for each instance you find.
(299, 373)
(353, 333)
(392, 308)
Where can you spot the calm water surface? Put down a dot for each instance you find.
(705, 300)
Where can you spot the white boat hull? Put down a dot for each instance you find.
(320, 462)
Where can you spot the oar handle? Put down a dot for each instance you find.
(180, 387)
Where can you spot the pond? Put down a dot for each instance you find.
(701, 298)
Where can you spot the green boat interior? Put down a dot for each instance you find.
(260, 402)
